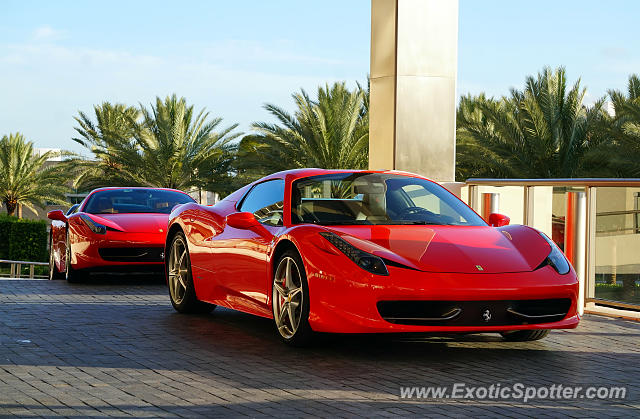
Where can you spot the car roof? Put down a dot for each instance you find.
(294, 174)
(115, 188)
(301, 173)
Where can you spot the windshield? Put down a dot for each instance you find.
(374, 198)
(123, 201)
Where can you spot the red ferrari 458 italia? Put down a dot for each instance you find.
(366, 252)
(112, 229)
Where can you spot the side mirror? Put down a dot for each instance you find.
(56, 215)
(498, 220)
(242, 220)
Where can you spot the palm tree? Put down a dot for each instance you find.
(329, 132)
(544, 131)
(170, 146)
(623, 154)
(114, 128)
(24, 177)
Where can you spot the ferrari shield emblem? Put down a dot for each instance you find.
(479, 267)
(486, 315)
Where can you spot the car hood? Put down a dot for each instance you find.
(134, 223)
(455, 249)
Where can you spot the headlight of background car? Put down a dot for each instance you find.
(366, 261)
(556, 257)
(93, 226)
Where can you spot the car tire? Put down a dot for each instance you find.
(54, 273)
(72, 276)
(525, 335)
(180, 279)
(289, 287)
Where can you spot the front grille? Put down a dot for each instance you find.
(132, 254)
(474, 313)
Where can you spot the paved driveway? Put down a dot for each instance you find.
(119, 349)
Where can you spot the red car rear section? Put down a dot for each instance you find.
(440, 278)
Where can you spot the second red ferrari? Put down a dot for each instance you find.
(112, 229)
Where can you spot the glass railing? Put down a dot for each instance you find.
(598, 218)
(617, 245)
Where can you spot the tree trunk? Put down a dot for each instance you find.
(11, 206)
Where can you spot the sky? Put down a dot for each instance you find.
(232, 57)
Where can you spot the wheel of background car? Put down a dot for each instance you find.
(290, 300)
(525, 335)
(53, 269)
(180, 279)
(71, 274)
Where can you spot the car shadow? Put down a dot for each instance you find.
(135, 328)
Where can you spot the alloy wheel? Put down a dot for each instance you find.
(52, 264)
(178, 270)
(287, 297)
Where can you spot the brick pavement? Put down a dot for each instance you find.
(117, 348)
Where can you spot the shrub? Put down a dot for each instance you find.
(23, 239)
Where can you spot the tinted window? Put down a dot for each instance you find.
(265, 201)
(122, 201)
(73, 209)
(376, 198)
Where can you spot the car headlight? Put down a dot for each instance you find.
(366, 261)
(556, 257)
(93, 226)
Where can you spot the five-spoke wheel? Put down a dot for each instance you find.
(287, 297)
(53, 269)
(180, 280)
(178, 270)
(290, 299)
(71, 274)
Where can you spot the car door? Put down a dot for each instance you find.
(240, 255)
(202, 226)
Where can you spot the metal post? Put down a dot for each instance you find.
(575, 239)
(473, 197)
(490, 204)
(591, 244)
(528, 206)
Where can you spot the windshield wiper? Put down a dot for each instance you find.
(368, 222)
(416, 222)
(346, 222)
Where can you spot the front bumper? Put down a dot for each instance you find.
(345, 299)
(118, 249)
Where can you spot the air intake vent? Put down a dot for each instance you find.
(474, 313)
(132, 254)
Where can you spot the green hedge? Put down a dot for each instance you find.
(23, 239)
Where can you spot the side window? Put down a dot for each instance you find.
(265, 201)
(73, 209)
